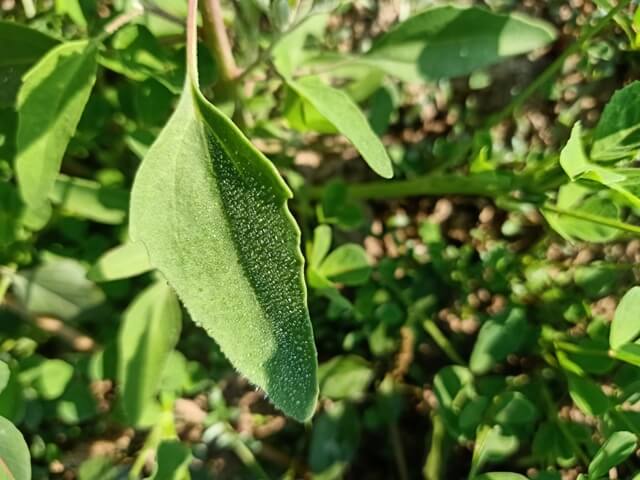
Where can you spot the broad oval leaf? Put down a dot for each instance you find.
(338, 108)
(211, 210)
(347, 264)
(50, 104)
(149, 332)
(15, 463)
(450, 41)
(124, 261)
(20, 47)
(613, 452)
(626, 323)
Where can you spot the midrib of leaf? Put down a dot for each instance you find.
(5, 468)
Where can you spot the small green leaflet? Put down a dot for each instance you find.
(15, 463)
(20, 47)
(50, 104)
(173, 460)
(618, 447)
(124, 261)
(625, 327)
(617, 134)
(149, 332)
(338, 108)
(450, 41)
(211, 211)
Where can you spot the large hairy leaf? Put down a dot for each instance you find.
(340, 111)
(50, 104)
(149, 332)
(20, 47)
(15, 463)
(449, 41)
(211, 211)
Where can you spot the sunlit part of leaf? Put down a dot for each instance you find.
(618, 447)
(578, 166)
(450, 41)
(338, 108)
(124, 261)
(20, 47)
(173, 460)
(15, 463)
(344, 377)
(90, 200)
(50, 104)
(149, 332)
(587, 395)
(348, 264)
(211, 211)
(41, 290)
(626, 322)
(617, 134)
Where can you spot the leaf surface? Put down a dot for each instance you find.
(626, 322)
(15, 463)
(20, 47)
(124, 261)
(338, 108)
(618, 447)
(450, 41)
(211, 210)
(50, 104)
(149, 332)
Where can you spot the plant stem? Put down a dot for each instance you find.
(589, 217)
(557, 64)
(398, 451)
(442, 341)
(217, 40)
(434, 466)
(482, 184)
(121, 20)
(192, 42)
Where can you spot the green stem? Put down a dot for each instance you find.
(573, 348)
(434, 466)
(552, 414)
(557, 64)
(192, 42)
(589, 217)
(442, 341)
(215, 34)
(481, 184)
(398, 451)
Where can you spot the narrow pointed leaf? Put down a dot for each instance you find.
(149, 332)
(338, 108)
(20, 48)
(211, 211)
(50, 104)
(618, 447)
(450, 41)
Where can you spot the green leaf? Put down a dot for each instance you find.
(344, 377)
(335, 436)
(15, 463)
(629, 352)
(618, 447)
(497, 339)
(49, 377)
(513, 408)
(10, 212)
(124, 261)
(90, 200)
(500, 476)
(43, 291)
(20, 48)
(617, 134)
(4, 375)
(50, 104)
(348, 264)
(625, 327)
(211, 210)
(149, 332)
(338, 108)
(450, 41)
(320, 246)
(173, 461)
(587, 395)
(492, 445)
